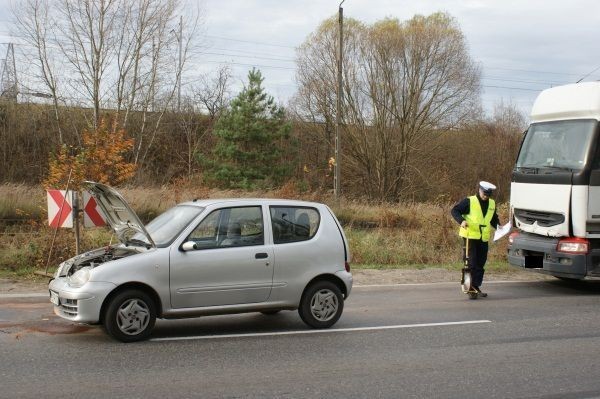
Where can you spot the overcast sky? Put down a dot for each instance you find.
(521, 46)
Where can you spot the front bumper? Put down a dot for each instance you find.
(80, 304)
(538, 253)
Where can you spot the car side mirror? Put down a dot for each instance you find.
(189, 246)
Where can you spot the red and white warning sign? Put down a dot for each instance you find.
(60, 208)
(92, 214)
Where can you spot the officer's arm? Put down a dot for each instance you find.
(461, 208)
(495, 222)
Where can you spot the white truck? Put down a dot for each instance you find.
(555, 188)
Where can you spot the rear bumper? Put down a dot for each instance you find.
(346, 277)
(537, 253)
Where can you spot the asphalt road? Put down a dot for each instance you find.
(527, 340)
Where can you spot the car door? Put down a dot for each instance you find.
(233, 263)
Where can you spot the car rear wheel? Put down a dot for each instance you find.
(321, 305)
(130, 316)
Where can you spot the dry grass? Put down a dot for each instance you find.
(412, 235)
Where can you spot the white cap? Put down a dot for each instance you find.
(487, 187)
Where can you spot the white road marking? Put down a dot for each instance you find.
(26, 295)
(438, 283)
(328, 331)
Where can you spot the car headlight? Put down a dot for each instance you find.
(80, 277)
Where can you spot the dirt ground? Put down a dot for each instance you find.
(433, 275)
(361, 277)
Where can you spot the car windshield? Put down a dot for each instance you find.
(167, 226)
(557, 145)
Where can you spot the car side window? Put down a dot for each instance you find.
(294, 224)
(230, 227)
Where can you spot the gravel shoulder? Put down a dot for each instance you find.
(361, 277)
(434, 275)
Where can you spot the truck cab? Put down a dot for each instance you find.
(555, 187)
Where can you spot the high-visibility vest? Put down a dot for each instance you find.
(478, 226)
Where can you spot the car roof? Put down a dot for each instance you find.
(249, 201)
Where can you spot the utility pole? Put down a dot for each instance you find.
(340, 94)
(180, 39)
(9, 84)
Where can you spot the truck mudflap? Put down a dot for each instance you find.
(537, 253)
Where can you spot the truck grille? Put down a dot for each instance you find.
(68, 307)
(544, 219)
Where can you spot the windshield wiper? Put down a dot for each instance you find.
(528, 169)
(556, 167)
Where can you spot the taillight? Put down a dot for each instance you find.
(347, 265)
(573, 245)
(512, 236)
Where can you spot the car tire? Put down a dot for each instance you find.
(130, 316)
(321, 305)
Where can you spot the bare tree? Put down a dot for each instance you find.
(33, 23)
(87, 27)
(402, 81)
(119, 56)
(213, 93)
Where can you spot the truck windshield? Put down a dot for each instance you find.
(557, 145)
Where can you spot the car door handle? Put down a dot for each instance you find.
(261, 255)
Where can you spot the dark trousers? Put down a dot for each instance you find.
(478, 251)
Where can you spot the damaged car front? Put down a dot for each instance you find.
(74, 293)
(82, 284)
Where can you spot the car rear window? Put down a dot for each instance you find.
(294, 223)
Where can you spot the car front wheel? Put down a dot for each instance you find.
(321, 305)
(130, 316)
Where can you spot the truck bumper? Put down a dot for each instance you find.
(539, 254)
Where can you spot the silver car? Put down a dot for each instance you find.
(207, 257)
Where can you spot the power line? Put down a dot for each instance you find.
(246, 52)
(510, 88)
(243, 56)
(250, 41)
(250, 65)
(522, 81)
(585, 76)
(532, 71)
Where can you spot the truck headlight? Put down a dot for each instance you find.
(573, 245)
(80, 277)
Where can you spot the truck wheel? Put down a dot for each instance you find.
(130, 316)
(568, 279)
(321, 305)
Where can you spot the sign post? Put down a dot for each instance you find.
(64, 207)
(76, 211)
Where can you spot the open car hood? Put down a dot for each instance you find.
(119, 215)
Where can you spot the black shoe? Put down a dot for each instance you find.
(479, 293)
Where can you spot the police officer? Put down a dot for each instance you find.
(476, 215)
